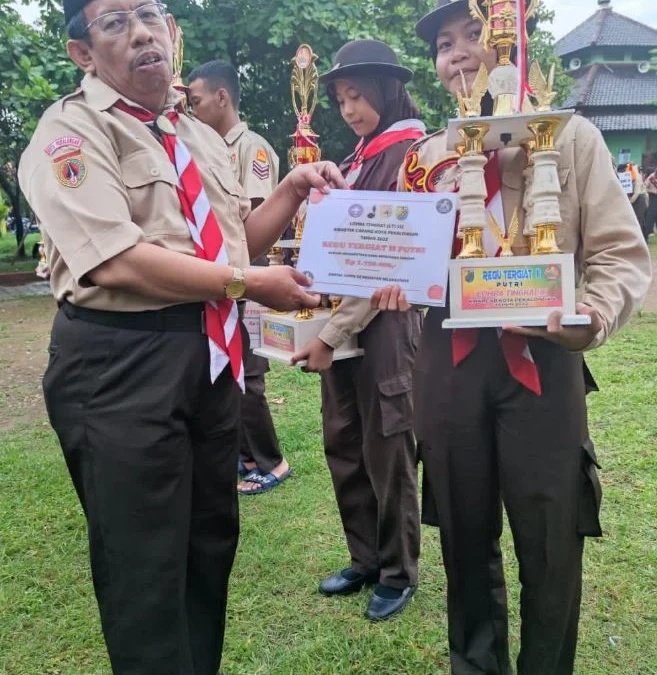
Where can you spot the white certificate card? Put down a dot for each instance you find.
(355, 242)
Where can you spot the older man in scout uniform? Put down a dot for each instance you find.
(148, 235)
(214, 92)
(490, 433)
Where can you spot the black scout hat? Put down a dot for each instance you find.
(366, 57)
(429, 25)
(72, 7)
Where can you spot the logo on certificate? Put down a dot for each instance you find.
(401, 212)
(385, 211)
(444, 206)
(552, 273)
(355, 210)
(436, 292)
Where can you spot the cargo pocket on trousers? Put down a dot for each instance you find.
(590, 494)
(395, 400)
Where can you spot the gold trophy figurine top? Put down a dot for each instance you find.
(501, 31)
(178, 57)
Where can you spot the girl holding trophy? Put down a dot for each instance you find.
(500, 413)
(367, 401)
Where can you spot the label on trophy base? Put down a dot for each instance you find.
(523, 291)
(512, 286)
(277, 335)
(283, 335)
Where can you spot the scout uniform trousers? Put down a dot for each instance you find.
(151, 446)
(370, 449)
(651, 216)
(486, 440)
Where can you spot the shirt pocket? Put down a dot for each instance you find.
(151, 182)
(227, 196)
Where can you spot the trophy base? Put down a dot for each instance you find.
(283, 335)
(520, 291)
(506, 131)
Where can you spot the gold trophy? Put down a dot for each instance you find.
(178, 58)
(495, 291)
(283, 334)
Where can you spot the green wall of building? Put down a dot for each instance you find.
(639, 143)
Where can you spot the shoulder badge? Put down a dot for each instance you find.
(419, 177)
(261, 165)
(68, 160)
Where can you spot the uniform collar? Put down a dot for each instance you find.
(235, 133)
(102, 97)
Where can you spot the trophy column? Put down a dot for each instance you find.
(473, 192)
(545, 191)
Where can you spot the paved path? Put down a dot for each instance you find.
(34, 288)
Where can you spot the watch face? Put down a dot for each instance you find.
(235, 290)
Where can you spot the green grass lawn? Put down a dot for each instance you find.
(277, 623)
(8, 253)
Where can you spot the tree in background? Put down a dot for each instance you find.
(260, 37)
(34, 72)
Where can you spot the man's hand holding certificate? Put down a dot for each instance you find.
(356, 242)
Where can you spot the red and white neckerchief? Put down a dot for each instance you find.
(515, 348)
(405, 130)
(221, 316)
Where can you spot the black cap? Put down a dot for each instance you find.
(366, 57)
(72, 7)
(429, 25)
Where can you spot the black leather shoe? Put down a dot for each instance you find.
(339, 584)
(381, 609)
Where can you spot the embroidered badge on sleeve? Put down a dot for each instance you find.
(261, 165)
(68, 161)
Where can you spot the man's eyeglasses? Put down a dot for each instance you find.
(116, 23)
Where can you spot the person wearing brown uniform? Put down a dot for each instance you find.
(651, 216)
(488, 437)
(367, 401)
(214, 93)
(148, 235)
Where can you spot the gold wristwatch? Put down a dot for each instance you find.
(236, 288)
